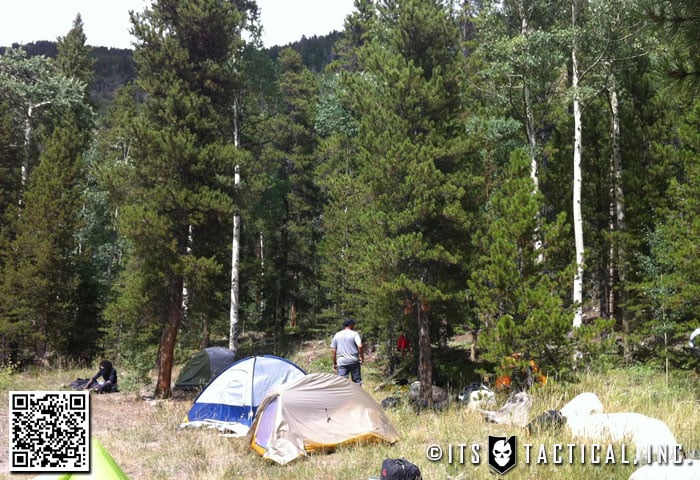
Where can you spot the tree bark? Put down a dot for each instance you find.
(167, 347)
(425, 364)
(206, 334)
(234, 330)
(577, 215)
(259, 295)
(617, 222)
(472, 348)
(28, 130)
(233, 316)
(531, 134)
(612, 221)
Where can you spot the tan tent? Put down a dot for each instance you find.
(317, 412)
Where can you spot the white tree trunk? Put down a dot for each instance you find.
(529, 117)
(617, 214)
(261, 294)
(577, 215)
(185, 290)
(28, 129)
(616, 196)
(233, 317)
(235, 242)
(531, 135)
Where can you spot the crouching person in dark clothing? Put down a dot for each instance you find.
(108, 374)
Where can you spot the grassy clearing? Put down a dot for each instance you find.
(144, 438)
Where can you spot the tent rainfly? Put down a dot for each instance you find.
(317, 412)
(203, 366)
(231, 399)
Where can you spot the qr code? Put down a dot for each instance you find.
(49, 431)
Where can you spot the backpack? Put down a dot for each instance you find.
(399, 469)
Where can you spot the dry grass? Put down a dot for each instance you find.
(144, 438)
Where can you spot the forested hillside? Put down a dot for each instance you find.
(114, 67)
(523, 171)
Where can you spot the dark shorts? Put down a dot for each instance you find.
(354, 370)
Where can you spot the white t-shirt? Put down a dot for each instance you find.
(347, 345)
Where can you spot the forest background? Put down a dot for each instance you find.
(522, 171)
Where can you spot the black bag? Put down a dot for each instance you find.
(399, 469)
(79, 383)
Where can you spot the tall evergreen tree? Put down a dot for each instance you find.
(183, 156)
(49, 127)
(517, 287)
(290, 205)
(302, 203)
(74, 59)
(39, 285)
(356, 33)
(413, 157)
(337, 172)
(666, 293)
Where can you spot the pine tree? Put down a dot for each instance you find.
(666, 293)
(297, 144)
(40, 281)
(183, 157)
(678, 21)
(517, 288)
(356, 33)
(10, 166)
(413, 158)
(74, 58)
(337, 172)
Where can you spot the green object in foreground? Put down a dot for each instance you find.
(103, 467)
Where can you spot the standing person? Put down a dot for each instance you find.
(109, 374)
(348, 355)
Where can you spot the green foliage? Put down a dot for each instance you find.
(40, 281)
(285, 204)
(678, 23)
(381, 189)
(667, 292)
(175, 197)
(10, 165)
(316, 52)
(399, 205)
(135, 368)
(331, 116)
(7, 371)
(39, 97)
(518, 295)
(74, 58)
(596, 347)
(35, 80)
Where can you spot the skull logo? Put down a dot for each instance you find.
(501, 453)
